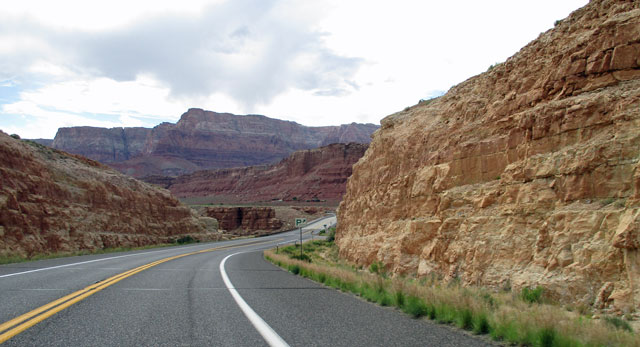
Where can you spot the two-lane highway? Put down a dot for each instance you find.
(177, 296)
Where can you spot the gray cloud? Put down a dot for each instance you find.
(252, 50)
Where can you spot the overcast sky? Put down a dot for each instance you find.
(139, 63)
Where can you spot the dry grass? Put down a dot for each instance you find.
(505, 316)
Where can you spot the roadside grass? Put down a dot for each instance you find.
(514, 318)
(9, 259)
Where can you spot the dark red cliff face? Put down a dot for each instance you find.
(316, 174)
(51, 201)
(241, 220)
(203, 140)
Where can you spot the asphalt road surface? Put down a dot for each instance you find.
(182, 296)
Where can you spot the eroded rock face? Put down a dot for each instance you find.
(319, 173)
(525, 175)
(102, 144)
(245, 220)
(202, 140)
(51, 201)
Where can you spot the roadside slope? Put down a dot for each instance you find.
(51, 201)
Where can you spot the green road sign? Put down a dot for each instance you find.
(300, 221)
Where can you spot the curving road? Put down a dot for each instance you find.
(178, 297)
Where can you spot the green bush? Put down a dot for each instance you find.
(618, 323)
(295, 269)
(303, 257)
(186, 239)
(532, 295)
(332, 235)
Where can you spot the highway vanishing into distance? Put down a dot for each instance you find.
(207, 294)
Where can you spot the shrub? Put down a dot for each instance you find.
(532, 295)
(15, 136)
(302, 257)
(332, 236)
(492, 66)
(618, 323)
(374, 267)
(185, 239)
(295, 269)
(607, 201)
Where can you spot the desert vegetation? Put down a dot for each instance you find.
(526, 317)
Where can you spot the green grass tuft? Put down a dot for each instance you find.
(465, 319)
(618, 323)
(481, 324)
(532, 295)
(547, 336)
(415, 307)
(398, 299)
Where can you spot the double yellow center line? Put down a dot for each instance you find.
(21, 323)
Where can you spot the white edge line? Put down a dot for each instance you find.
(80, 263)
(269, 335)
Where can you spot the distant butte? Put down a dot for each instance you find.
(202, 140)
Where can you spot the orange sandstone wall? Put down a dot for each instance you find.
(524, 175)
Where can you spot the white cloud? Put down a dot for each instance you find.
(318, 63)
(142, 96)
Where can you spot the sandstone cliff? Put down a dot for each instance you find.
(525, 175)
(202, 140)
(51, 201)
(319, 173)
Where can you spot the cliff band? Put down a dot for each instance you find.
(202, 140)
(319, 173)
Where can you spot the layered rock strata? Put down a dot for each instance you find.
(51, 201)
(202, 140)
(525, 175)
(316, 174)
(245, 220)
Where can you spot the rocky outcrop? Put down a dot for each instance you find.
(245, 220)
(51, 201)
(525, 175)
(102, 144)
(202, 140)
(316, 174)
